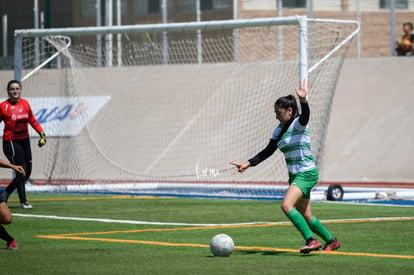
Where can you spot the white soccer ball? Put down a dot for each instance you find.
(221, 245)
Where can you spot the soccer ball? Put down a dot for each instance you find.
(221, 245)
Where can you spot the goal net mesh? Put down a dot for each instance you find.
(162, 112)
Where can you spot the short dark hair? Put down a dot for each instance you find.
(12, 82)
(409, 24)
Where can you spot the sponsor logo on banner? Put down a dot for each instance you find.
(64, 116)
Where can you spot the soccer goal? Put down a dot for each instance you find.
(163, 108)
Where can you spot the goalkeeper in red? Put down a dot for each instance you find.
(293, 139)
(17, 115)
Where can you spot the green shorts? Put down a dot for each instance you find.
(305, 181)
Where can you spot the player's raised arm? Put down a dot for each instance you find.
(302, 93)
(303, 90)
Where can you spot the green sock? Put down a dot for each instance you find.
(299, 222)
(318, 228)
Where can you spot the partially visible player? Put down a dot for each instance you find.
(406, 45)
(5, 214)
(17, 114)
(293, 139)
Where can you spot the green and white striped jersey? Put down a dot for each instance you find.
(295, 144)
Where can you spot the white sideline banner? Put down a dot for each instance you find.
(64, 116)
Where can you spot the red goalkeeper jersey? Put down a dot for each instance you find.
(16, 117)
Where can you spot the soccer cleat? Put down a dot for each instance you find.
(332, 245)
(26, 205)
(311, 245)
(12, 245)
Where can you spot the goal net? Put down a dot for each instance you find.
(163, 109)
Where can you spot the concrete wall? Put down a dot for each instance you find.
(371, 134)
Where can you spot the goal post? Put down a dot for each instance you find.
(184, 101)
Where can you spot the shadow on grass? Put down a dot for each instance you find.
(271, 253)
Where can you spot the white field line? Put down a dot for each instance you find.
(53, 217)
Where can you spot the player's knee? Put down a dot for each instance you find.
(286, 207)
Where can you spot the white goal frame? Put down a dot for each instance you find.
(304, 40)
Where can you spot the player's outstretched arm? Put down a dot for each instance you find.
(17, 168)
(261, 156)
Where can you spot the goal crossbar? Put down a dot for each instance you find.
(167, 27)
(182, 26)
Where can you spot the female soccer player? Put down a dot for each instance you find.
(293, 139)
(5, 214)
(17, 114)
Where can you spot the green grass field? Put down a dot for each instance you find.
(116, 247)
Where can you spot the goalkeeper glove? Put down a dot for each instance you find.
(42, 140)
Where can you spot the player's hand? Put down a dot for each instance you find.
(303, 90)
(42, 140)
(240, 167)
(19, 169)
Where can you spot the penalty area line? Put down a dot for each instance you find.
(257, 248)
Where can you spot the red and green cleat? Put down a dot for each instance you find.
(332, 245)
(311, 245)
